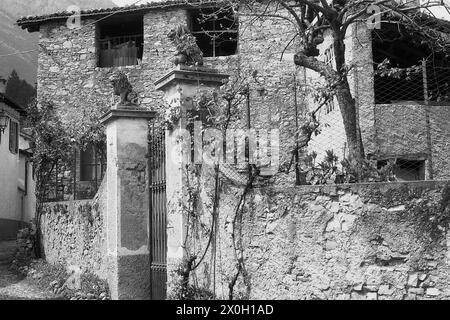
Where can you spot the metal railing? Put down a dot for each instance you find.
(120, 51)
(64, 183)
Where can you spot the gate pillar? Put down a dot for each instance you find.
(180, 86)
(127, 203)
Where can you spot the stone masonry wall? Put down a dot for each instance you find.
(68, 74)
(362, 241)
(74, 234)
(81, 92)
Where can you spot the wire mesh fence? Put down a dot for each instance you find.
(406, 138)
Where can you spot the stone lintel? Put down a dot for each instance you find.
(196, 75)
(127, 113)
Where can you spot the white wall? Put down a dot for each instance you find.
(9, 165)
(14, 205)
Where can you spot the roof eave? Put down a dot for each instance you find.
(32, 24)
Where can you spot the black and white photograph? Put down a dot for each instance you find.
(240, 152)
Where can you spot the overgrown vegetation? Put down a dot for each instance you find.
(70, 285)
(309, 19)
(54, 144)
(57, 279)
(332, 170)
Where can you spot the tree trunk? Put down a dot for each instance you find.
(347, 106)
(344, 97)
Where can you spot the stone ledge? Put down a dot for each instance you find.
(127, 113)
(199, 75)
(356, 187)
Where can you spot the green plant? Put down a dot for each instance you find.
(25, 253)
(53, 146)
(180, 287)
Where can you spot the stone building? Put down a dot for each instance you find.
(75, 68)
(17, 199)
(403, 120)
(75, 65)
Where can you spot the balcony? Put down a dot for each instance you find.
(120, 51)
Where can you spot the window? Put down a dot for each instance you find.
(410, 170)
(120, 41)
(329, 60)
(329, 56)
(401, 81)
(13, 137)
(405, 169)
(216, 31)
(92, 164)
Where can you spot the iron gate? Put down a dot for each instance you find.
(158, 212)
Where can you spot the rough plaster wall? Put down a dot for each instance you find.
(369, 241)
(261, 48)
(402, 131)
(74, 234)
(362, 85)
(440, 140)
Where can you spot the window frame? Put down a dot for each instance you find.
(329, 61)
(97, 163)
(117, 43)
(192, 14)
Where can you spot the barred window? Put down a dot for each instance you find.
(92, 164)
(120, 42)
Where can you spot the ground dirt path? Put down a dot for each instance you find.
(13, 286)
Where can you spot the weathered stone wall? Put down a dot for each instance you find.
(69, 77)
(81, 92)
(363, 241)
(74, 234)
(68, 74)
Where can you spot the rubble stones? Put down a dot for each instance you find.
(380, 256)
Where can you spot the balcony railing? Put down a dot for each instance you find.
(120, 51)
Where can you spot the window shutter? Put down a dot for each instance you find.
(17, 137)
(13, 137)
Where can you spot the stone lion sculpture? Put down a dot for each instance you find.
(124, 89)
(188, 53)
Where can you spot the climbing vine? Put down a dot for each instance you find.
(53, 145)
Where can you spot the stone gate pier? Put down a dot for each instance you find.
(127, 205)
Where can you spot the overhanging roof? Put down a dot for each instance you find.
(32, 23)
